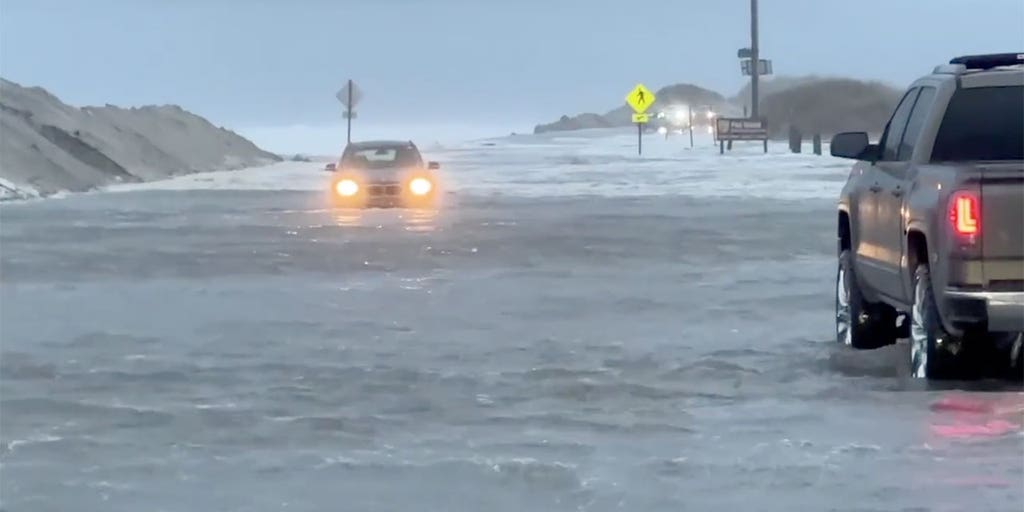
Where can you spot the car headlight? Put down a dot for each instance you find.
(346, 187)
(420, 186)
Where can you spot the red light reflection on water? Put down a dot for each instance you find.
(967, 416)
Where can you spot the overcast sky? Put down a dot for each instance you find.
(273, 63)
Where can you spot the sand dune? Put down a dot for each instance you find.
(47, 146)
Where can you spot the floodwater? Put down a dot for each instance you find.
(575, 328)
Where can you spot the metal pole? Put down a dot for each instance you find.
(348, 109)
(755, 60)
(639, 139)
(689, 110)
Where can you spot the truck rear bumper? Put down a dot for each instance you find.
(999, 311)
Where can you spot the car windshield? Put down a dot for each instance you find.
(982, 124)
(381, 158)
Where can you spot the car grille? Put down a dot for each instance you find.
(384, 190)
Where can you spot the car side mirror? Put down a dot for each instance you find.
(433, 166)
(853, 145)
(330, 167)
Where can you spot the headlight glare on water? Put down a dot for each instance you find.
(420, 186)
(346, 187)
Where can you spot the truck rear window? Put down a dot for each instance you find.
(983, 123)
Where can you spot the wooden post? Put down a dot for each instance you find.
(796, 139)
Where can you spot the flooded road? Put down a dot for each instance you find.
(252, 350)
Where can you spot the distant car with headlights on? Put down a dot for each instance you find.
(383, 174)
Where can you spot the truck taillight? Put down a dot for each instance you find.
(965, 213)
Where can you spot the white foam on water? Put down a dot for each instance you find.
(10, 190)
(32, 440)
(602, 163)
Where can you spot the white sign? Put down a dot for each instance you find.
(731, 128)
(765, 67)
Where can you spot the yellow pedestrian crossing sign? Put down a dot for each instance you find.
(640, 98)
(641, 118)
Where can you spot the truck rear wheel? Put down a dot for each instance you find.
(933, 350)
(859, 324)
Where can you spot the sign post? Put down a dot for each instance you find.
(689, 112)
(349, 96)
(640, 120)
(640, 99)
(752, 64)
(755, 56)
(639, 139)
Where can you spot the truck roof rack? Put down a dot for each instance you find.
(950, 69)
(988, 61)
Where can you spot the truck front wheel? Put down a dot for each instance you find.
(860, 324)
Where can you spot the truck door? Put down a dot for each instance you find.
(876, 253)
(895, 179)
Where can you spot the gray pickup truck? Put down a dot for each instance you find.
(931, 221)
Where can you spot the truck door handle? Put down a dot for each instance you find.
(897, 192)
(875, 188)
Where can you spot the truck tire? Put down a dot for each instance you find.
(930, 357)
(859, 324)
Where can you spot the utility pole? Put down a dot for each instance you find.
(755, 60)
